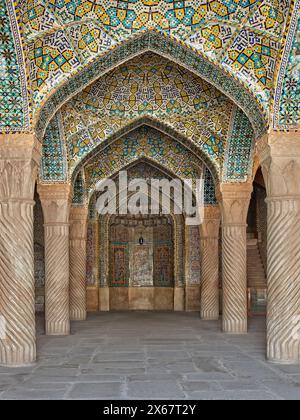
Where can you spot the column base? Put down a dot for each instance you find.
(235, 327)
(17, 358)
(283, 362)
(78, 315)
(54, 328)
(209, 316)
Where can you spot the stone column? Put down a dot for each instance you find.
(19, 160)
(234, 201)
(280, 160)
(209, 239)
(78, 236)
(55, 199)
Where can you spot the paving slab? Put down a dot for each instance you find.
(151, 355)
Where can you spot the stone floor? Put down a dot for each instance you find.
(152, 356)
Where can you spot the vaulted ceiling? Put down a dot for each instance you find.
(243, 36)
(245, 45)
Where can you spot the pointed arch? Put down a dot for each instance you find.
(161, 44)
(146, 122)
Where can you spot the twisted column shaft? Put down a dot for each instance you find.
(55, 201)
(210, 279)
(78, 234)
(209, 238)
(57, 280)
(283, 322)
(280, 160)
(19, 160)
(234, 279)
(234, 201)
(17, 339)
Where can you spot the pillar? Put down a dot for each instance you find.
(55, 199)
(234, 201)
(280, 160)
(78, 236)
(209, 240)
(19, 160)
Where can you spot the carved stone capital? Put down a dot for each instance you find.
(279, 155)
(19, 163)
(211, 223)
(56, 202)
(78, 223)
(234, 199)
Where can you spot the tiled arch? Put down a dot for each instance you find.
(147, 143)
(169, 48)
(160, 129)
(81, 197)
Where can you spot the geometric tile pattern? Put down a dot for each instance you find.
(89, 40)
(144, 170)
(54, 160)
(287, 96)
(226, 31)
(209, 189)
(252, 57)
(238, 157)
(14, 111)
(175, 52)
(36, 17)
(79, 193)
(51, 59)
(212, 38)
(148, 86)
(143, 143)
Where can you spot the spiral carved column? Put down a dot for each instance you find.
(280, 159)
(78, 235)
(209, 238)
(234, 201)
(55, 201)
(18, 170)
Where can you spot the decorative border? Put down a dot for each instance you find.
(15, 30)
(289, 36)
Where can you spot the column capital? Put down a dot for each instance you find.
(78, 213)
(279, 155)
(78, 222)
(234, 201)
(55, 191)
(20, 146)
(56, 202)
(210, 225)
(19, 163)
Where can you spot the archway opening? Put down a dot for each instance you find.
(257, 248)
